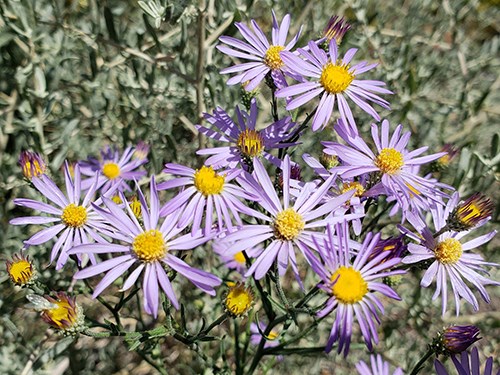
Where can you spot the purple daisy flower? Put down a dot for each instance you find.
(206, 192)
(149, 248)
(286, 225)
(351, 285)
(114, 169)
(466, 365)
(333, 79)
(247, 142)
(451, 259)
(378, 367)
(264, 57)
(76, 221)
(393, 162)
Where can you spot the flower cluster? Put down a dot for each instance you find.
(249, 204)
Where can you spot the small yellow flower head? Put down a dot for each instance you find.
(32, 164)
(21, 270)
(470, 213)
(444, 161)
(135, 206)
(60, 312)
(328, 161)
(238, 300)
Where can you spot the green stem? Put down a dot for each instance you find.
(237, 347)
(420, 363)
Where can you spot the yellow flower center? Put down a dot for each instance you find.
(240, 258)
(20, 272)
(273, 335)
(354, 185)
(389, 161)
(288, 224)
(273, 58)
(135, 206)
(336, 78)
(74, 216)
(448, 251)
(149, 246)
(350, 286)
(468, 212)
(116, 199)
(33, 169)
(64, 316)
(111, 170)
(238, 300)
(208, 182)
(250, 143)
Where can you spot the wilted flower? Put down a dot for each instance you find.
(32, 164)
(141, 151)
(21, 270)
(466, 215)
(60, 312)
(456, 339)
(444, 161)
(378, 367)
(335, 29)
(238, 300)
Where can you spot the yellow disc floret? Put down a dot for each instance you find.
(74, 216)
(250, 143)
(389, 161)
(135, 206)
(336, 78)
(448, 251)
(111, 170)
(273, 58)
(20, 270)
(238, 300)
(240, 258)
(208, 182)
(149, 246)
(354, 185)
(288, 224)
(350, 286)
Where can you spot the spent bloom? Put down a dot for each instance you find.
(467, 364)
(452, 261)
(75, 220)
(378, 367)
(21, 270)
(334, 79)
(351, 285)
(246, 142)
(32, 164)
(60, 312)
(335, 29)
(114, 169)
(147, 249)
(394, 163)
(456, 339)
(468, 214)
(206, 192)
(287, 225)
(264, 57)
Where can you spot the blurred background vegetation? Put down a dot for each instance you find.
(76, 75)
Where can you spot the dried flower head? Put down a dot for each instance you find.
(470, 213)
(21, 270)
(238, 300)
(60, 312)
(32, 164)
(336, 29)
(456, 339)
